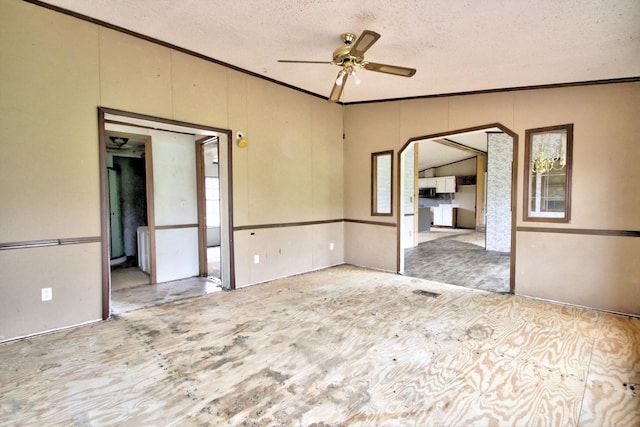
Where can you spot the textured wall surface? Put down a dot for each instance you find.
(499, 179)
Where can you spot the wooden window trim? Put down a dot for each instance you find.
(374, 181)
(568, 171)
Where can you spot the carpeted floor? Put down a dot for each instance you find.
(459, 260)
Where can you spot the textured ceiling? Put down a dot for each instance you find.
(456, 46)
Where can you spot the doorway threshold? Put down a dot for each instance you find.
(143, 296)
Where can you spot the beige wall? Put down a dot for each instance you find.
(56, 70)
(590, 270)
(462, 168)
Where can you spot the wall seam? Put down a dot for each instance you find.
(99, 65)
(171, 74)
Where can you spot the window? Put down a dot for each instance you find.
(212, 198)
(381, 183)
(548, 158)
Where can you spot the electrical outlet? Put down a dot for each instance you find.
(256, 259)
(46, 294)
(331, 246)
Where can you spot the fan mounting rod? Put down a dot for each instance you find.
(348, 38)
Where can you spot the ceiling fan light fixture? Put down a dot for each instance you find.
(351, 55)
(356, 79)
(119, 141)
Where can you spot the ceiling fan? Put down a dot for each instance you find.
(350, 56)
(117, 142)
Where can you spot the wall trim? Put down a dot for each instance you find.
(285, 224)
(171, 227)
(581, 231)
(306, 223)
(631, 79)
(383, 224)
(50, 331)
(49, 242)
(581, 307)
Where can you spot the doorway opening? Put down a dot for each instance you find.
(457, 194)
(154, 210)
(126, 158)
(209, 183)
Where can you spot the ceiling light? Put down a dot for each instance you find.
(340, 78)
(356, 79)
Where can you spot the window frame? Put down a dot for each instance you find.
(374, 183)
(528, 181)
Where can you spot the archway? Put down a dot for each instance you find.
(488, 207)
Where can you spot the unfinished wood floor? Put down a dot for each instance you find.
(343, 346)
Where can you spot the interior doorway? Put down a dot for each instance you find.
(457, 193)
(209, 184)
(126, 158)
(169, 250)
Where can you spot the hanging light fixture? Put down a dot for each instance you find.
(356, 79)
(118, 141)
(347, 70)
(548, 160)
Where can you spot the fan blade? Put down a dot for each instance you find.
(389, 69)
(337, 89)
(290, 61)
(364, 42)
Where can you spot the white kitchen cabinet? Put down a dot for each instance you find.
(442, 184)
(449, 184)
(445, 184)
(427, 182)
(444, 216)
(432, 182)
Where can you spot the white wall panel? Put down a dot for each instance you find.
(174, 178)
(176, 253)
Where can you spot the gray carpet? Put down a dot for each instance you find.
(458, 263)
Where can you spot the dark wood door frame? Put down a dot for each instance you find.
(104, 219)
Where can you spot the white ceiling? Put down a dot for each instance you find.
(432, 154)
(456, 46)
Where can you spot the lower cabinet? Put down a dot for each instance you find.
(445, 216)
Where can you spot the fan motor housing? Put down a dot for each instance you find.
(342, 57)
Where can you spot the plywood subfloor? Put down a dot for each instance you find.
(334, 347)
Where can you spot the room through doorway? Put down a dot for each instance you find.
(209, 178)
(156, 211)
(128, 219)
(456, 192)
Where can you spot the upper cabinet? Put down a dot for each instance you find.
(442, 184)
(449, 184)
